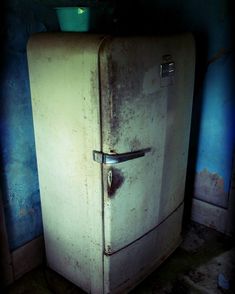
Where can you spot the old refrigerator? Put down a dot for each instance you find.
(112, 120)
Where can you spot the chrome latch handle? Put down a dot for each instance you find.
(106, 158)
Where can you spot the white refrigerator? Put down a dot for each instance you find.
(112, 121)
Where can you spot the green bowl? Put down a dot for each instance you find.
(74, 19)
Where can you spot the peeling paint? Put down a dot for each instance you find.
(210, 187)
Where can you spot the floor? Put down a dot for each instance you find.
(204, 263)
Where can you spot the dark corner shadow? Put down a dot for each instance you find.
(232, 25)
(3, 241)
(201, 41)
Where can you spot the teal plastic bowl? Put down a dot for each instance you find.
(74, 19)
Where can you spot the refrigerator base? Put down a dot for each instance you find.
(128, 267)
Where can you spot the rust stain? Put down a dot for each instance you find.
(108, 249)
(116, 182)
(210, 187)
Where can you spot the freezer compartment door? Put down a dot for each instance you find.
(146, 98)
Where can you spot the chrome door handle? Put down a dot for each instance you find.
(106, 158)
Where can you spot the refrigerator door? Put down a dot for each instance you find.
(146, 99)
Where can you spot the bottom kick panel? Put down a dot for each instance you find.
(128, 267)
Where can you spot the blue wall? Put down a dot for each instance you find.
(216, 124)
(217, 133)
(19, 180)
(214, 110)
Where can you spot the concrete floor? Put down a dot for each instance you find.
(204, 263)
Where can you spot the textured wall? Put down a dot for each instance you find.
(213, 134)
(216, 135)
(19, 179)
